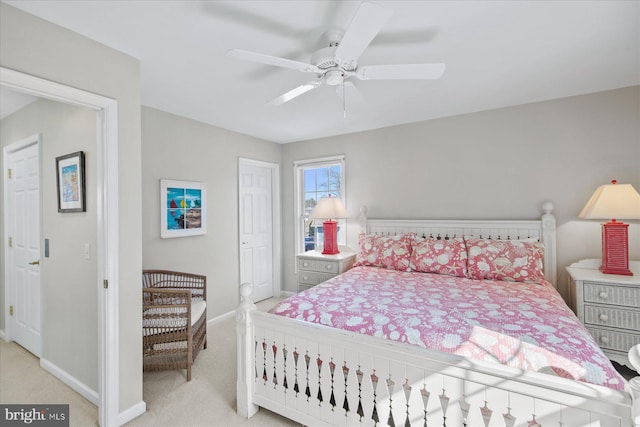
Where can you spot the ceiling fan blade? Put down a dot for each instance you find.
(401, 71)
(367, 22)
(246, 55)
(293, 93)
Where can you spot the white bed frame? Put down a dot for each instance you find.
(305, 371)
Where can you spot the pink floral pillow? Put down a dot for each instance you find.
(440, 256)
(509, 260)
(391, 252)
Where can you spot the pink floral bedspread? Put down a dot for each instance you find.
(523, 325)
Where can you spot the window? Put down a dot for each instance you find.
(315, 179)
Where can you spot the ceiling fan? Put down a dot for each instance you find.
(336, 64)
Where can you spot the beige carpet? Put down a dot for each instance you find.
(209, 399)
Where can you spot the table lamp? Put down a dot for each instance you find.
(329, 208)
(614, 201)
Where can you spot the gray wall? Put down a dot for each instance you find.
(489, 165)
(31, 45)
(177, 148)
(69, 299)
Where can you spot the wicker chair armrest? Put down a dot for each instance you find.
(166, 298)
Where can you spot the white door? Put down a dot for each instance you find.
(256, 228)
(23, 231)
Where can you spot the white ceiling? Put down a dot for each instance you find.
(498, 54)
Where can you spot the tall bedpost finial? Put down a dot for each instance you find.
(549, 241)
(245, 335)
(363, 218)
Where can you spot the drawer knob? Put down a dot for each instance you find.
(305, 277)
(603, 295)
(604, 340)
(305, 264)
(603, 317)
(329, 266)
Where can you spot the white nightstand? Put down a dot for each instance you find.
(315, 268)
(608, 305)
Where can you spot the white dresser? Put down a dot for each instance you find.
(315, 268)
(608, 305)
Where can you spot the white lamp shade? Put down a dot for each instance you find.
(327, 208)
(613, 201)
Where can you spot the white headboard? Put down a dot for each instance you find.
(543, 229)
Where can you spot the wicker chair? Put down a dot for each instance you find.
(174, 319)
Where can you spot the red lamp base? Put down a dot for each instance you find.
(330, 229)
(615, 248)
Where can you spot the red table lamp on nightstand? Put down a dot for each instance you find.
(617, 201)
(329, 208)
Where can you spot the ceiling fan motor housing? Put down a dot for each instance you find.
(325, 58)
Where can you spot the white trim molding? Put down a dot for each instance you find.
(84, 390)
(132, 412)
(221, 318)
(320, 161)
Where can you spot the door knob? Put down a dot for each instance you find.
(35, 262)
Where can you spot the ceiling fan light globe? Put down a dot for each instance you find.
(334, 78)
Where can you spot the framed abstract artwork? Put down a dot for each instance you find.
(71, 183)
(183, 208)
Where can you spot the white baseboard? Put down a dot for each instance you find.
(68, 379)
(131, 413)
(230, 314)
(221, 318)
(3, 335)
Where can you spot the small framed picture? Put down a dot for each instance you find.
(183, 208)
(71, 183)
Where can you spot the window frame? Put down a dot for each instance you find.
(299, 168)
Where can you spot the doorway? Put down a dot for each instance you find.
(23, 230)
(259, 227)
(106, 188)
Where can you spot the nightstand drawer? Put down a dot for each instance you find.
(318, 265)
(313, 278)
(315, 267)
(614, 295)
(611, 317)
(619, 341)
